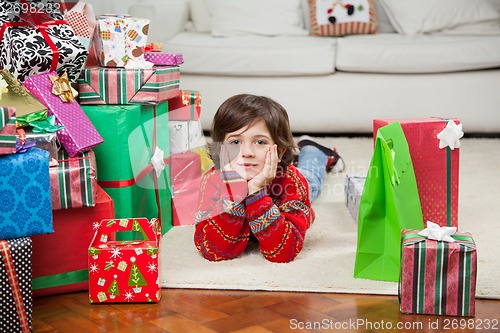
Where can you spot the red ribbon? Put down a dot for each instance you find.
(39, 22)
(14, 285)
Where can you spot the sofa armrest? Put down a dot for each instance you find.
(168, 17)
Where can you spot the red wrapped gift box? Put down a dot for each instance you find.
(124, 271)
(436, 170)
(60, 258)
(438, 277)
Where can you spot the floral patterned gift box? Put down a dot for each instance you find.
(38, 41)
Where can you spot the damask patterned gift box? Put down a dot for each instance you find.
(438, 277)
(436, 168)
(99, 85)
(60, 259)
(25, 203)
(78, 134)
(73, 182)
(124, 271)
(35, 38)
(15, 285)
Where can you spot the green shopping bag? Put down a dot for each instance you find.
(389, 204)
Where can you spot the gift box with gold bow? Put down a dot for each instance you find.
(38, 40)
(79, 134)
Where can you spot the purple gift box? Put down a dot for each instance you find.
(164, 59)
(79, 134)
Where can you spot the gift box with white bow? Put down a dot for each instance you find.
(133, 162)
(435, 152)
(438, 272)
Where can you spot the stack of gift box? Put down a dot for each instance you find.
(437, 271)
(84, 138)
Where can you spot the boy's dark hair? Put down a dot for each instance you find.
(244, 110)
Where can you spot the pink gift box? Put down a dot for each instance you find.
(438, 277)
(79, 134)
(185, 171)
(164, 59)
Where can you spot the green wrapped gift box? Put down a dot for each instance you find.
(125, 171)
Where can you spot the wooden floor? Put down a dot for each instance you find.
(199, 311)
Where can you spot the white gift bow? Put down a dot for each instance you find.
(434, 231)
(450, 135)
(157, 161)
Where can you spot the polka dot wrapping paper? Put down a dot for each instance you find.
(25, 202)
(15, 285)
(436, 169)
(79, 134)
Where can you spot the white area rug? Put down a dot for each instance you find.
(326, 262)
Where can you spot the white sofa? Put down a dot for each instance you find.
(338, 84)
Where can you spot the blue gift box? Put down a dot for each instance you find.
(25, 203)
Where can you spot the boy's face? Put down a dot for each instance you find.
(246, 149)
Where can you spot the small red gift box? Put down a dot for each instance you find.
(438, 277)
(124, 271)
(60, 258)
(436, 169)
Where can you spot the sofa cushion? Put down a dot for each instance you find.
(412, 17)
(254, 55)
(340, 18)
(394, 53)
(256, 17)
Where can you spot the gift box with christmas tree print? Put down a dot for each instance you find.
(60, 260)
(124, 271)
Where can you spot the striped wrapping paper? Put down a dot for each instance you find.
(7, 130)
(73, 182)
(98, 85)
(164, 59)
(437, 277)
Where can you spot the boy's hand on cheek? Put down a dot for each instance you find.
(268, 172)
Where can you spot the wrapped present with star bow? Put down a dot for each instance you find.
(438, 272)
(435, 153)
(133, 162)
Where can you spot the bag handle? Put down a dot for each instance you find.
(108, 226)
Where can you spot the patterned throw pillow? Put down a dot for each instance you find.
(342, 17)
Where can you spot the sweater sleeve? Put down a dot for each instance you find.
(221, 231)
(280, 226)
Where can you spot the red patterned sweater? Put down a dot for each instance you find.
(278, 216)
